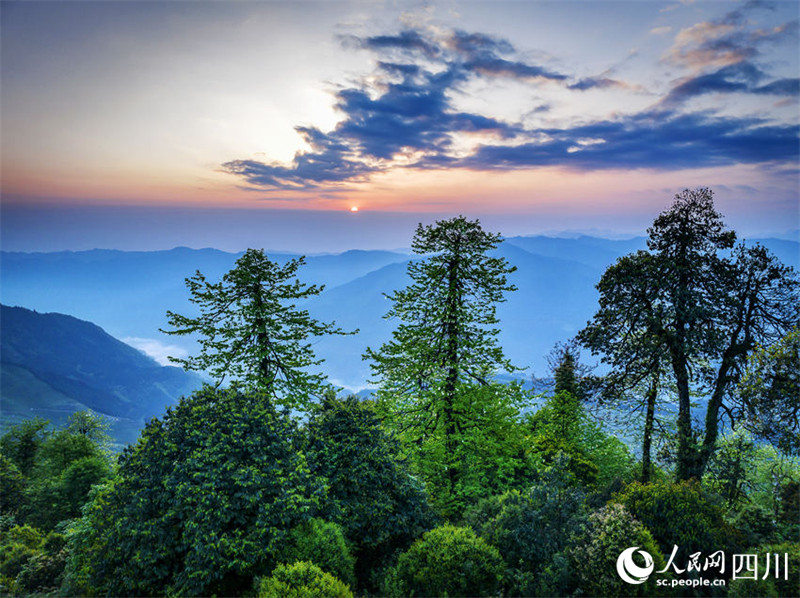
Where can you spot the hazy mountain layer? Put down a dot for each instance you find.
(128, 293)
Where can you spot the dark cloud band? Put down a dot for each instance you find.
(408, 119)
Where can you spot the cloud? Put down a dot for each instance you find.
(743, 77)
(661, 140)
(598, 83)
(407, 40)
(729, 40)
(403, 115)
(660, 30)
(723, 56)
(156, 349)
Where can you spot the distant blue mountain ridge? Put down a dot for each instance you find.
(128, 293)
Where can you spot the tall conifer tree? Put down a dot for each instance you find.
(436, 374)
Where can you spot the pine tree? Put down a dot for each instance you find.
(436, 374)
(251, 332)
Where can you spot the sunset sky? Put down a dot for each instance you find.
(144, 125)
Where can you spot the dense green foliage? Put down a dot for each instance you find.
(680, 514)
(563, 426)
(30, 563)
(251, 332)
(379, 505)
(529, 528)
(322, 543)
(769, 393)
(61, 468)
(447, 561)
(593, 554)
(20, 444)
(201, 504)
(302, 579)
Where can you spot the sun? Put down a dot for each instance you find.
(354, 209)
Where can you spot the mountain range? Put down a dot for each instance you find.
(128, 293)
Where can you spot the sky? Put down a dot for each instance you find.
(323, 126)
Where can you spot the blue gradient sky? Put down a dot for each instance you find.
(150, 125)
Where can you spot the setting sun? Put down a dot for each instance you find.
(354, 209)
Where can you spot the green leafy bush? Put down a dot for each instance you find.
(753, 523)
(302, 580)
(30, 562)
(593, 553)
(447, 561)
(322, 543)
(18, 545)
(529, 528)
(201, 504)
(678, 514)
(42, 573)
(380, 507)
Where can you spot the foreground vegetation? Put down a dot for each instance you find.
(447, 482)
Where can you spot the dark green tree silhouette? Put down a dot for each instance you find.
(704, 304)
(251, 331)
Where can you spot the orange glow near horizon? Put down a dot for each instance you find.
(544, 191)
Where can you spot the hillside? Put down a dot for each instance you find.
(54, 364)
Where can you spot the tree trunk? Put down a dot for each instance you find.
(451, 356)
(265, 373)
(649, 419)
(712, 412)
(687, 452)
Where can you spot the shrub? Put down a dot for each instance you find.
(18, 545)
(302, 580)
(42, 573)
(678, 514)
(323, 544)
(753, 523)
(529, 528)
(593, 554)
(447, 561)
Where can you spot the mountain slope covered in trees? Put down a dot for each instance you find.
(54, 365)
